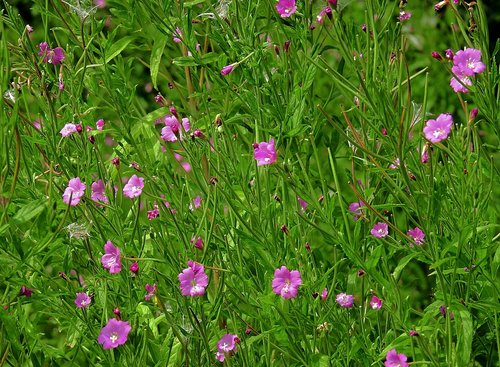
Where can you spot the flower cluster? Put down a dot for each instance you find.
(466, 63)
(52, 56)
(226, 346)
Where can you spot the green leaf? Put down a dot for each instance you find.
(464, 336)
(156, 114)
(117, 48)
(156, 54)
(29, 211)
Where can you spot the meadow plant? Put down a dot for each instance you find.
(249, 183)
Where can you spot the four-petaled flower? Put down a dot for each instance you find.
(193, 280)
(393, 359)
(286, 283)
(82, 300)
(438, 129)
(111, 259)
(115, 333)
(376, 303)
(417, 234)
(226, 344)
(151, 289)
(286, 8)
(98, 193)
(74, 192)
(380, 230)
(468, 62)
(52, 56)
(134, 187)
(345, 300)
(264, 153)
(172, 130)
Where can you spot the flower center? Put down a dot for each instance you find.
(437, 133)
(113, 337)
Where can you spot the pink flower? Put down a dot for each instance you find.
(376, 303)
(355, 208)
(303, 204)
(196, 203)
(151, 289)
(172, 130)
(417, 234)
(68, 129)
(345, 300)
(82, 300)
(100, 124)
(226, 344)
(74, 192)
(264, 153)
(25, 291)
(100, 3)
(177, 35)
(439, 129)
(324, 294)
(395, 164)
(228, 69)
(111, 259)
(98, 193)
(134, 267)
(115, 333)
(52, 56)
(134, 187)
(404, 15)
(193, 280)
(393, 359)
(380, 230)
(286, 8)
(458, 84)
(198, 242)
(38, 124)
(326, 11)
(155, 213)
(286, 283)
(468, 62)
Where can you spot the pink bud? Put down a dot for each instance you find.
(134, 267)
(227, 69)
(436, 55)
(473, 114)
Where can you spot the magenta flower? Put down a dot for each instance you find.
(98, 193)
(345, 300)
(172, 130)
(286, 283)
(74, 192)
(303, 204)
(226, 344)
(324, 294)
(193, 280)
(111, 258)
(417, 234)
(134, 267)
(376, 303)
(177, 35)
(25, 291)
(228, 69)
(115, 333)
(393, 359)
(286, 8)
(438, 129)
(468, 62)
(100, 124)
(134, 187)
(68, 129)
(404, 16)
(458, 84)
(155, 213)
(82, 300)
(151, 289)
(196, 203)
(38, 124)
(264, 153)
(326, 11)
(198, 242)
(355, 208)
(380, 230)
(52, 56)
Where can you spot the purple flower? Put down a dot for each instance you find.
(226, 344)
(196, 203)
(438, 129)
(380, 230)
(345, 300)
(193, 280)
(134, 267)
(404, 16)
(98, 193)
(393, 359)
(172, 129)
(326, 11)
(264, 153)
(355, 208)
(198, 242)
(115, 333)
(25, 291)
(324, 294)
(151, 289)
(417, 234)
(38, 124)
(228, 69)
(74, 191)
(155, 213)
(111, 259)
(468, 62)
(134, 187)
(303, 204)
(286, 283)
(286, 8)
(52, 56)
(376, 303)
(68, 129)
(100, 124)
(177, 35)
(82, 300)
(458, 84)
(413, 333)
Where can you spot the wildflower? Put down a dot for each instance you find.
(115, 333)
(345, 300)
(196, 203)
(151, 289)
(439, 129)
(332, 3)
(100, 124)
(324, 294)
(436, 55)
(60, 83)
(264, 153)
(225, 345)
(172, 128)
(25, 291)
(417, 234)
(228, 69)
(473, 114)
(52, 56)
(134, 267)
(38, 124)
(29, 28)
(376, 303)
(468, 62)
(395, 164)
(98, 193)
(286, 8)
(355, 208)
(303, 204)
(155, 213)
(116, 161)
(159, 99)
(326, 11)
(193, 280)
(413, 333)
(198, 242)
(74, 191)
(111, 258)
(82, 300)
(134, 187)
(117, 312)
(177, 35)
(286, 283)
(68, 129)
(393, 359)
(404, 15)
(380, 230)
(100, 3)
